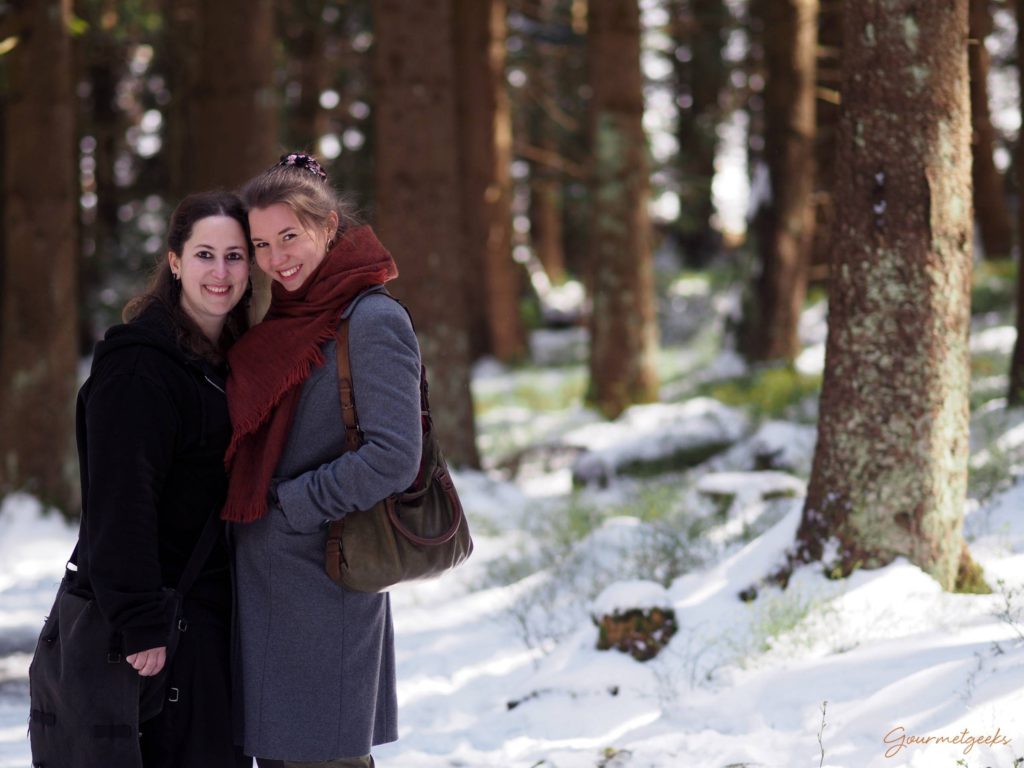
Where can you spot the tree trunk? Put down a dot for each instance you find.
(485, 128)
(305, 37)
(786, 228)
(1015, 396)
(38, 328)
(700, 81)
(890, 468)
(623, 332)
(830, 60)
(544, 120)
(181, 32)
(990, 207)
(101, 61)
(418, 200)
(223, 105)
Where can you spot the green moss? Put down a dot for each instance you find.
(994, 286)
(769, 392)
(538, 393)
(684, 458)
(970, 578)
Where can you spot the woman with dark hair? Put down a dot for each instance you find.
(152, 428)
(316, 661)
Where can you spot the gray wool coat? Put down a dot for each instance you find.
(315, 663)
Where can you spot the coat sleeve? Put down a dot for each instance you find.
(386, 379)
(132, 426)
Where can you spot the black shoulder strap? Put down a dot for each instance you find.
(201, 553)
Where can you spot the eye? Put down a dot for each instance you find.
(234, 256)
(289, 236)
(203, 255)
(260, 244)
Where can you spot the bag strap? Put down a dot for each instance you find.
(353, 437)
(196, 561)
(204, 547)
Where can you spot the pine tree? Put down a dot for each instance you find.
(418, 199)
(38, 301)
(786, 224)
(485, 129)
(990, 208)
(623, 332)
(223, 113)
(698, 29)
(1015, 395)
(889, 477)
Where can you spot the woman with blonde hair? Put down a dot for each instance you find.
(315, 661)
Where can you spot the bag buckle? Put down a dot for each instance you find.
(173, 694)
(183, 625)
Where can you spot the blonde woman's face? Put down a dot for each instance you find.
(286, 249)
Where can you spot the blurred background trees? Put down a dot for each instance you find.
(534, 165)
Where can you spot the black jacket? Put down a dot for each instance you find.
(152, 428)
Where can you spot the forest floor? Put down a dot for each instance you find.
(700, 493)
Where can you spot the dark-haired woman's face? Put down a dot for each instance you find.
(214, 270)
(286, 249)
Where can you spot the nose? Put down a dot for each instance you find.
(220, 267)
(275, 255)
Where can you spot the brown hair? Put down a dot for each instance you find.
(164, 291)
(299, 182)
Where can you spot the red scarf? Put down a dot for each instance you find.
(272, 360)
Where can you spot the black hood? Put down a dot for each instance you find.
(153, 328)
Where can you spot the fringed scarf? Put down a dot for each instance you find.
(272, 360)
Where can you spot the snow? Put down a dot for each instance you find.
(635, 594)
(645, 433)
(739, 684)
(996, 340)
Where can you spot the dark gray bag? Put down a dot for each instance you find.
(86, 701)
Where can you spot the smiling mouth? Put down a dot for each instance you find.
(287, 274)
(218, 290)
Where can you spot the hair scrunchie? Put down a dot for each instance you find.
(305, 162)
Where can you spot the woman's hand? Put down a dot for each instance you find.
(148, 663)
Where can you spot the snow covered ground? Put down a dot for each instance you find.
(497, 663)
(499, 667)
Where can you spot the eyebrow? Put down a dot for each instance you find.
(211, 248)
(286, 229)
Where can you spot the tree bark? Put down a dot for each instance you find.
(623, 332)
(829, 75)
(100, 61)
(485, 127)
(545, 120)
(418, 199)
(889, 477)
(1015, 395)
(699, 26)
(38, 326)
(786, 224)
(223, 105)
(990, 208)
(305, 37)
